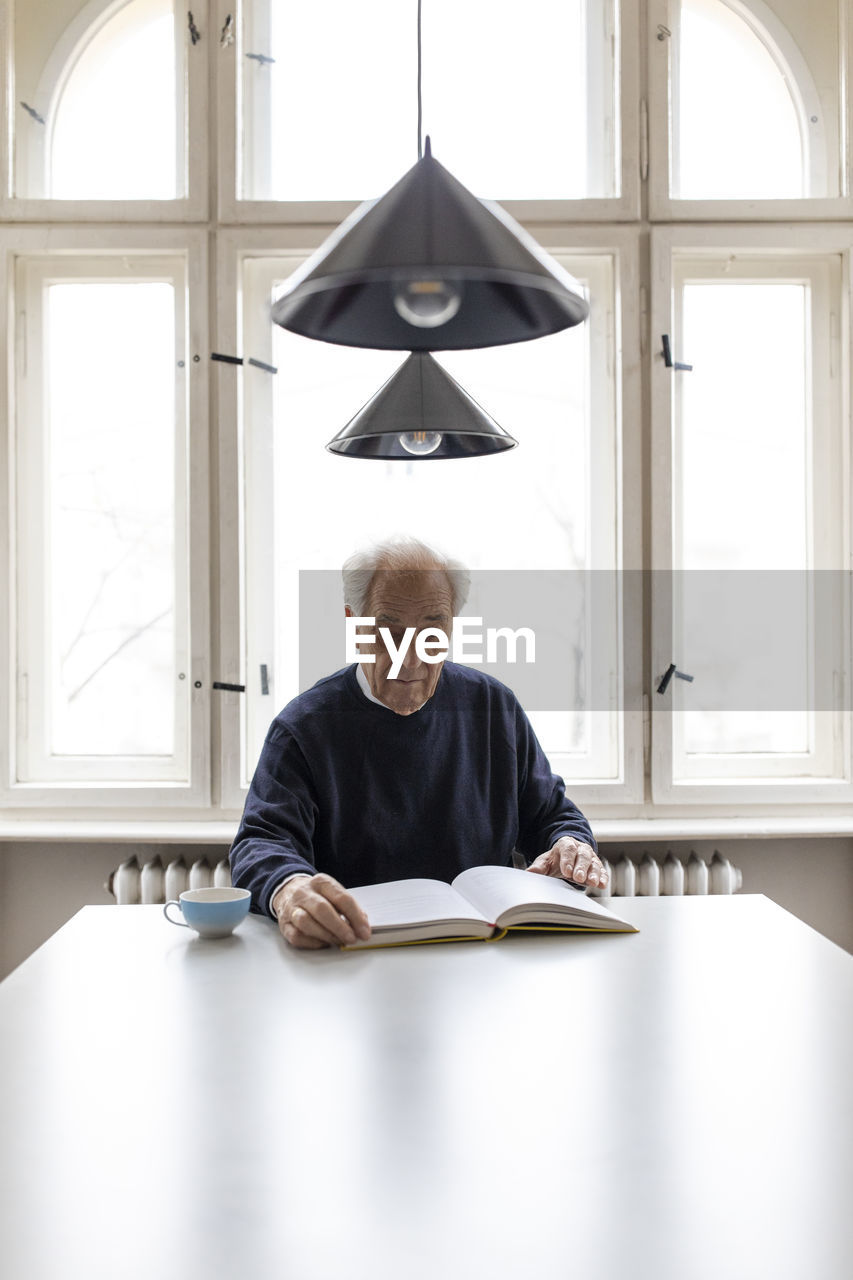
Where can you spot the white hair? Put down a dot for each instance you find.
(402, 554)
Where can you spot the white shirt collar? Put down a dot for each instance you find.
(365, 687)
(366, 690)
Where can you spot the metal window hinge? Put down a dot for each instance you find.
(23, 705)
(23, 344)
(644, 319)
(644, 140)
(834, 344)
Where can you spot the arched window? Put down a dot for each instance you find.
(747, 119)
(112, 95)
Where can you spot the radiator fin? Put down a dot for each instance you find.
(649, 877)
(131, 884)
(641, 876)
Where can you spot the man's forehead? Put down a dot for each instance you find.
(426, 591)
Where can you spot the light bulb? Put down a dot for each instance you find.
(427, 303)
(420, 443)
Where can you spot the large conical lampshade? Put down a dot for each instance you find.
(429, 267)
(421, 413)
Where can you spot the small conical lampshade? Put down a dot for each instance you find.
(429, 267)
(421, 413)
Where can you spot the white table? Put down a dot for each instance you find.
(671, 1105)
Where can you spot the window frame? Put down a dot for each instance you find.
(626, 224)
(736, 795)
(192, 207)
(624, 207)
(665, 208)
(82, 244)
(235, 249)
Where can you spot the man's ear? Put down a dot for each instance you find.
(348, 611)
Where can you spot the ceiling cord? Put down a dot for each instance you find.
(420, 100)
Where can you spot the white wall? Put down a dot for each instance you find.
(43, 885)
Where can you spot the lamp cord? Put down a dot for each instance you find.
(420, 98)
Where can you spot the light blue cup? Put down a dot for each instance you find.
(213, 913)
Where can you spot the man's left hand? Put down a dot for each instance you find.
(573, 860)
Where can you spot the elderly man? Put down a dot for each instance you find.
(368, 776)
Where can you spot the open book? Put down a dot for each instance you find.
(482, 902)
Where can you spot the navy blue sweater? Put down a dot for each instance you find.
(347, 786)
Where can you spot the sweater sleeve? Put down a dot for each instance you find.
(275, 836)
(544, 810)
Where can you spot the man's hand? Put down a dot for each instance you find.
(316, 911)
(573, 860)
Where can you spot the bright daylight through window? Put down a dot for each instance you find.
(765, 135)
(539, 126)
(170, 489)
(527, 510)
(102, 586)
(758, 560)
(110, 102)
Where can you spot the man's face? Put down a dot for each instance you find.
(399, 599)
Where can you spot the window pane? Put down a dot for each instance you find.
(110, 576)
(755, 101)
(109, 93)
(515, 109)
(743, 513)
(528, 509)
(501, 512)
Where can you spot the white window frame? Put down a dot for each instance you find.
(244, 229)
(797, 244)
(244, 397)
(663, 17)
(624, 207)
(193, 111)
(81, 246)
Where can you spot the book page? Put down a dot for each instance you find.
(498, 890)
(412, 902)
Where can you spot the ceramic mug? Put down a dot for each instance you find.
(213, 913)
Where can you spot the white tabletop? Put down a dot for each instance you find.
(669, 1105)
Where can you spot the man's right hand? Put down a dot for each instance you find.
(316, 911)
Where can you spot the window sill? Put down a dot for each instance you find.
(112, 830)
(686, 827)
(221, 831)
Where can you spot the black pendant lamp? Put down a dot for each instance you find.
(420, 413)
(429, 267)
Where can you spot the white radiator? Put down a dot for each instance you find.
(642, 877)
(154, 882)
(649, 877)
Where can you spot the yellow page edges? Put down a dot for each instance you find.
(562, 928)
(423, 942)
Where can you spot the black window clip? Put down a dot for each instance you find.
(256, 364)
(667, 356)
(671, 671)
